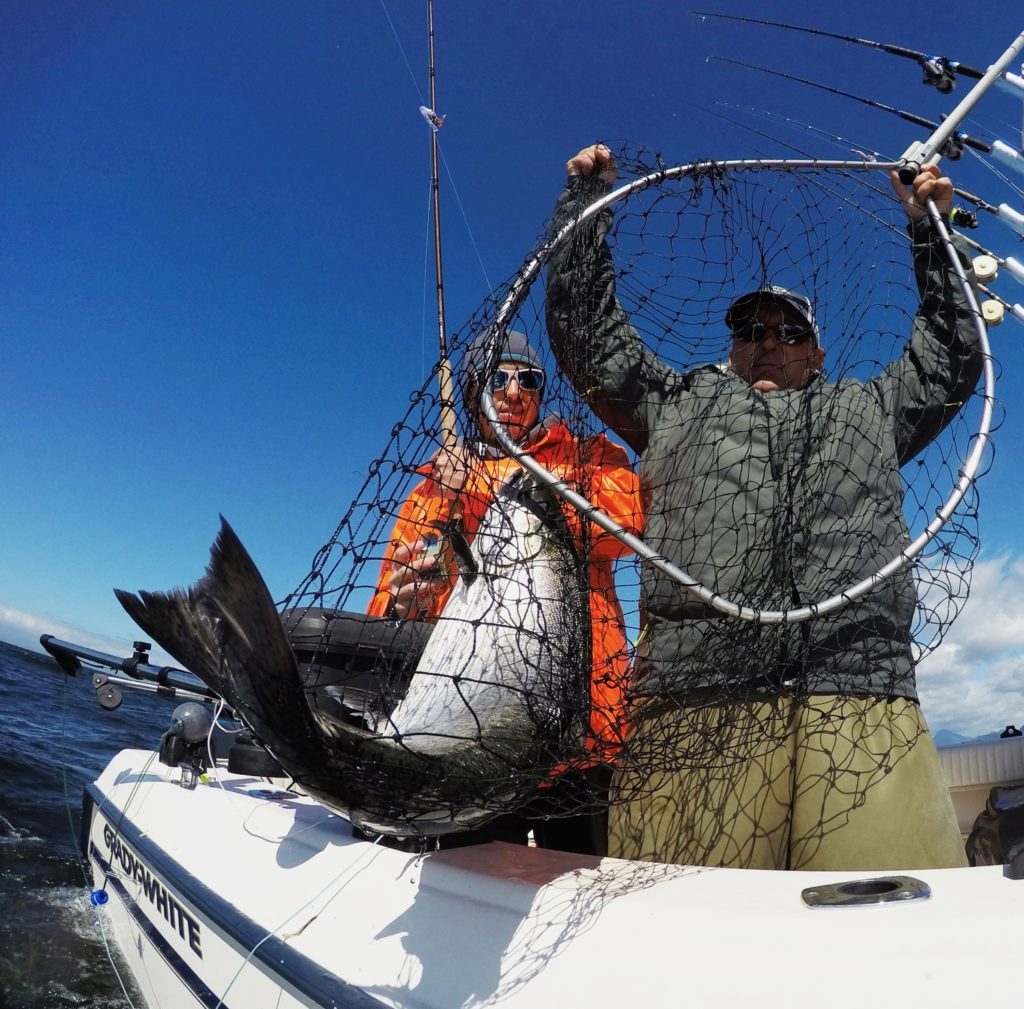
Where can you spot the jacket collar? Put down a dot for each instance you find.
(545, 430)
(548, 431)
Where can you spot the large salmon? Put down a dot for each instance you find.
(500, 695)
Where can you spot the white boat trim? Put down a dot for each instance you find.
(289, 910)
(171, 891)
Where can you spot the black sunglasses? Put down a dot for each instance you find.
(529, 379)
(788, 332)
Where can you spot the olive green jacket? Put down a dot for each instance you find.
(776, 500)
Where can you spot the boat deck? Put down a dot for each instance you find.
(273, 890)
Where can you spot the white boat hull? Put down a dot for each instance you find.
(280, 906)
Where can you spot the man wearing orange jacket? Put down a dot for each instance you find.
(462, 482)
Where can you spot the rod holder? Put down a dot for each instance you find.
(919, 153)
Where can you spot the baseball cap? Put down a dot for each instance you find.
(747, 303)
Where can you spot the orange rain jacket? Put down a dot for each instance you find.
(600, 470)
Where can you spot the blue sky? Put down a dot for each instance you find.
(213, 224)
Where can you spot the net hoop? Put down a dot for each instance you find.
(968, 472)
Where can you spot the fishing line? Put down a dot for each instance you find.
(398, 42)
(80, 858)
(444, 160)
(215, 778)
(243, 817)
(952, 149)
(1005, 179)
(465, 217)
(872, 215)
(999, 126)
(83, 862)
(123, 811)
(1009, 216)
(851, 146)
(218, 711)
(351, 869)
(426, 282)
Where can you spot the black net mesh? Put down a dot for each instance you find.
(511, 687)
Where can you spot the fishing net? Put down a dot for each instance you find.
(772, 502)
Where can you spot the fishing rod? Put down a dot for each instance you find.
(939, 71)
(927, 152)
(986, 265)
(992, 317)
(958, 215)
(449, 434)
(851, 145)
(1013, 219)
(986, 271)
(953, 148)
(952, 143)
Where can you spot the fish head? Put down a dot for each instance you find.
(522, 524)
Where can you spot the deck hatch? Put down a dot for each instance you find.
(866, 892)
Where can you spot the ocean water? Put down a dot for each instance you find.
(54, 738)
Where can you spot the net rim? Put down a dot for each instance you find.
(968, 472)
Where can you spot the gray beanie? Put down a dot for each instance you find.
(512, 346)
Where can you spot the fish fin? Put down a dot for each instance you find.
(453, 532)
(464, 559)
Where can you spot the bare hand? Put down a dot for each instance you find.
(929, 184)
(594, 159)
(416, 578)
(450, 469)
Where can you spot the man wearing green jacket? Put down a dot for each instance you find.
(794, 745)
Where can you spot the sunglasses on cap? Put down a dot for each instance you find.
(529, 379)
(787, 332)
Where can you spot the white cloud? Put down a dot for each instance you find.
(21, 628)
(974, 681)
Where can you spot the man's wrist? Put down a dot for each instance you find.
(588, 185)
(921, 228)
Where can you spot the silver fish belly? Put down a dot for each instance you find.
(499, 666)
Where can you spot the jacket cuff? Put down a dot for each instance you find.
(920, 228)
(588, 186)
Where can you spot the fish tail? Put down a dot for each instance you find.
(170, 619)
(227, 630)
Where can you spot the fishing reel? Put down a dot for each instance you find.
(962, 218)
(953, 148)
(184, 744)
(938, 73)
